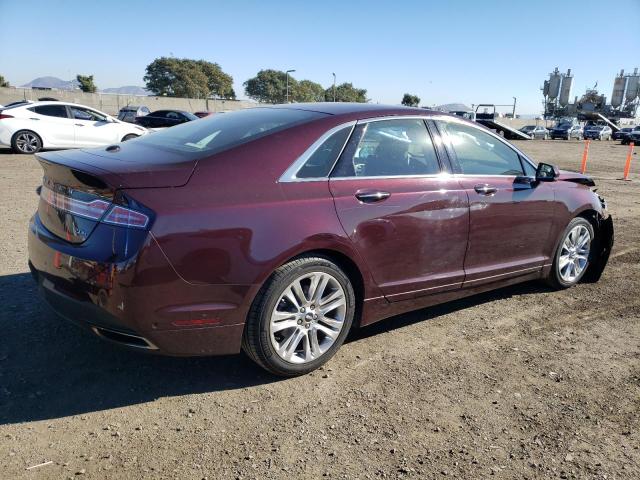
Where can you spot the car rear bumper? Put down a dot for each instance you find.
(140, 303)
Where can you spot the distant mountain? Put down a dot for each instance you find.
(453, 107)
(59, 84)
(52, 82)
(127, 90)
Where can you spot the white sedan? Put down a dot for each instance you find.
(30, 127)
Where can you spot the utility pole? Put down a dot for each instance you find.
(287, 73)
(513, 114)
(334, 87)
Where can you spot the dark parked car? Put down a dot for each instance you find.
(131, 112)
(280, 229)
(634, 137)
(625, 137)
(536, 131)
(165, 118)
(597, 132)
(567, 131)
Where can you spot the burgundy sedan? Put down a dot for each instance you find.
(277, 230)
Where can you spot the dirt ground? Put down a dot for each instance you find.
(523, 382)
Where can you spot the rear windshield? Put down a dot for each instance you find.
(220, 132)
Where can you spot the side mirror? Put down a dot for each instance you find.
(546, 172)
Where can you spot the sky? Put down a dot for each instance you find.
(443, 51)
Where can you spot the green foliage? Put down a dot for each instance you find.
(183, 77)
(270, 86)
(3, 82)
(410, 100)
(308, 91)
(346, 92)
(86, 83)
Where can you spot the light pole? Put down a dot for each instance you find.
(334, 86)
(513, 114)
(287, 94)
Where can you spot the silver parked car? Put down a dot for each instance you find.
(130, 112)
(536, 131)
(597, 132)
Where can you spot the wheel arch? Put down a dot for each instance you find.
(603, 228)
(43, 141)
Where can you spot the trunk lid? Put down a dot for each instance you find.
(80, 187)
(128, 165)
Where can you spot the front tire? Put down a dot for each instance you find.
(573, 254)
(300, 317)
(26, 142)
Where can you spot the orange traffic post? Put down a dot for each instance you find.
(627, 165)
(585, 155)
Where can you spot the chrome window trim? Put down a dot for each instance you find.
(290, 174)
(424, 118)
(441, 175)
(495, 135)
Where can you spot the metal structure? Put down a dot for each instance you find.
(592, 105)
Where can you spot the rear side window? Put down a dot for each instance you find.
(397, 147)
(324, 157)
(51, 110)
(220, 132)
(479, 153)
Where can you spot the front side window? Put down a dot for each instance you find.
(51, 110)
(397, 147)
(85, 114)
(478, 152)
(324, 157)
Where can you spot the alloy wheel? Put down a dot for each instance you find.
(308, 317)
(574, 253)
(27, 142)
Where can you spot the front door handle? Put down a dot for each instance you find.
(485, 189)
(78, 124)
(372, 196)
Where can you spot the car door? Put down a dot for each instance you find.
(510, 214)
(92, 128)
(53, 124)
(402, 209)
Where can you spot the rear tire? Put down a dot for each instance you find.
(131, 136)
(573, 255)
(26, 142)
(312, 334)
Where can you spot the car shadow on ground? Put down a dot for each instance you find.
(50, 368)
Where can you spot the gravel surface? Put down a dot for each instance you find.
(523, 382)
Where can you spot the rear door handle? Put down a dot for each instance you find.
(78, 124)
(372, 196)
(485, 189)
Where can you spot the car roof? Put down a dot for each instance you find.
(367, 109)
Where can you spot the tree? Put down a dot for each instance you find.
(183, 77)
(410, 100)
(270, 86)
(3, 82)
(308, 91)
(86, 83)
(346, 92)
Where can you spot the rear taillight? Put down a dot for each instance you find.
(125, 217)
(98, 210)
(3, 115)
(93, 210)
